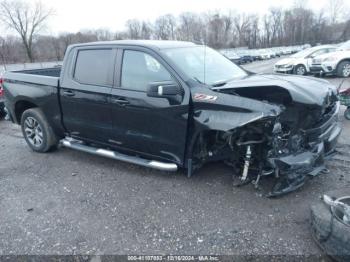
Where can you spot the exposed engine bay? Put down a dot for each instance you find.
(288, 140)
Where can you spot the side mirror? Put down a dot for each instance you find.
(164, 89)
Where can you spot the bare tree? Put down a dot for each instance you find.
(4, 51)
(134, 28)
(103, 34)
(335, 8)
(215, 30)
(242, 25)
(27, 20)
(164, 27)
(228, 22)
(146, 30)
(191, 27)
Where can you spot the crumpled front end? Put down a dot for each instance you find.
(283, 130)
(298, 155)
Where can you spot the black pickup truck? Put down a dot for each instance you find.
(170, 105)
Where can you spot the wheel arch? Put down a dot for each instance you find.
(300, 64)
(343, 60)
(21, 106)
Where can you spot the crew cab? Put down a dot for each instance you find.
(170, 105)
(300, 62)
(334, 63)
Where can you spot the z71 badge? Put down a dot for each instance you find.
(204, 97)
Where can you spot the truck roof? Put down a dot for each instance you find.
(154, 44)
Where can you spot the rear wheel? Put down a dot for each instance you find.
(343, 69)
(2, 112)
(37, 131)
(300, 70)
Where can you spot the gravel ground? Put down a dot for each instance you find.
(69, 202)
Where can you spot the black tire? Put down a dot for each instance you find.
(300, 70)
(343, 69)
(2, 114)
(2, 111)
(329, 233)
(347, 113)
(41, 130)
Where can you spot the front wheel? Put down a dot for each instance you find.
(37, 131)
(300, 70)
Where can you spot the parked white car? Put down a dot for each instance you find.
(335, 63)
(300, 62)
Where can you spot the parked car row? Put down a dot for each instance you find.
(318, 60)
(243, 56)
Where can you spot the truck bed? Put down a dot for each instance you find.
(45, 76)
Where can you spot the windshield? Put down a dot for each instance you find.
(204, 64)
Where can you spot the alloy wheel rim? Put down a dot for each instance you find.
(300, 70)
(33, 132)
(346, 70)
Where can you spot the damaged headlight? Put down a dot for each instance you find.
(283, 142)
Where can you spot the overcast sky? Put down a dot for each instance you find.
(75, 15)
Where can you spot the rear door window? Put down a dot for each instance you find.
(94, 67)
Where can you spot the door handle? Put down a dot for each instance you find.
(120, 101)
(68, 93)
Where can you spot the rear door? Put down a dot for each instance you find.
(154, 126)
(85, 92)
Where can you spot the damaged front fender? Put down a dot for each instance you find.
(227, 112)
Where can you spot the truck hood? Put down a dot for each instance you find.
(304, 90)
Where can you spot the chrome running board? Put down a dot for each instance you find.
(77, 145)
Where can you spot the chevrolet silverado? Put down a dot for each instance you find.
(170, 105)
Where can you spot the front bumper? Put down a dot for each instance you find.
(324, 68)
(321, 142)
(283, 70)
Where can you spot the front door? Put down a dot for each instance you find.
(154, 126)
